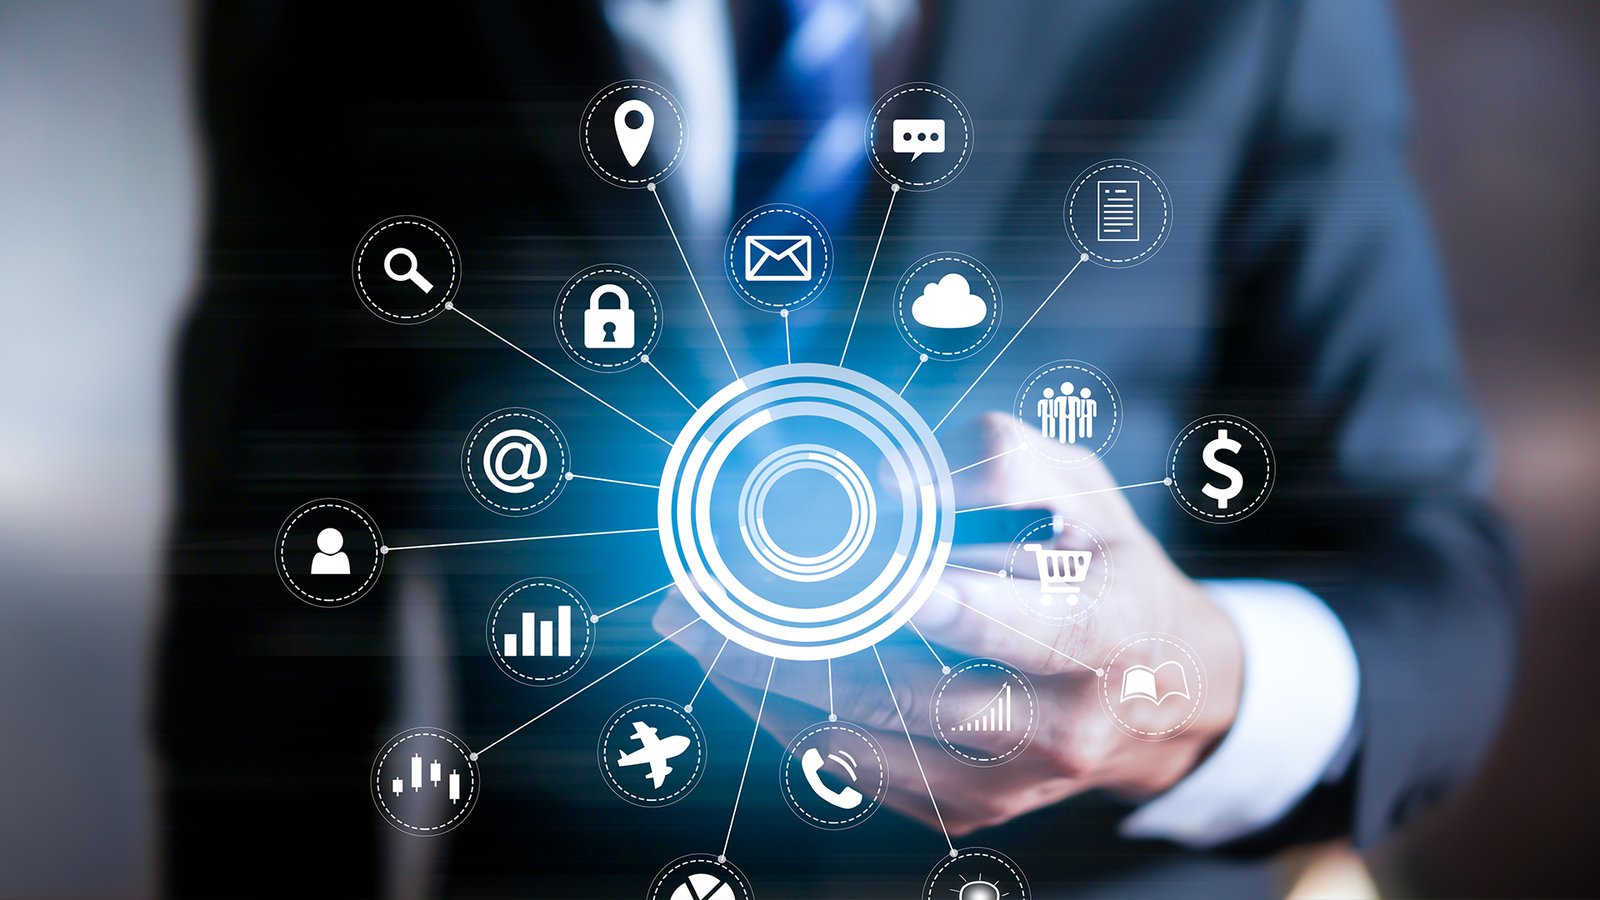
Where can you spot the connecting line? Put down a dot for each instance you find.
(575, 693)
(1109, 490)
(914, 755)
(987, 460)
(921, 358)
(788, 349)
(689, 707)
(1013, 340)
(1023, 634)
(652, 364)
(624, 606)
(833, 716)
(942, 667)
(748, 753)
(693, 280)
(653, 487)
(538, 537)
(492, 333)
(951, 565)
(894, 191)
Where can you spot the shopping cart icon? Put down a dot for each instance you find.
(1060, 571)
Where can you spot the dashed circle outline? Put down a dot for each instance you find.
(735, 877)
(1106, 443)
(1084, 611)
(585, 123)
(1005, 862)
(468, 455)
(578, 659)
(1266, 483)
(306, 596)
(875, 799)
(1166, 212)
(609, 775)
(449, 293)
(732, 266)
(989, 329)
(985, 762)
(641, 348)
(967, 134)
(467, 804)
(1196, 705)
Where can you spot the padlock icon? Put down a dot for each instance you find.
(608, 328)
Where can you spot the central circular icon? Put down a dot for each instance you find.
(753, 512)
(774, 531)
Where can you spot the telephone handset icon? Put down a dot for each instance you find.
(811, 762)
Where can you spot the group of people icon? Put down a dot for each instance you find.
(1067, 417)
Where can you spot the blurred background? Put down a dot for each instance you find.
(100, 212)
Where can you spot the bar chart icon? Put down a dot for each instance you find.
(541, 636)
(1117, 210)
(540, 631)
(995, 715)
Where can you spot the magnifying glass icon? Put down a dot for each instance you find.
(410, 274)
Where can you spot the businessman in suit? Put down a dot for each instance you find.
(1298, 290)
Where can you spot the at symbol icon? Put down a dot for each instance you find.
(525, 447)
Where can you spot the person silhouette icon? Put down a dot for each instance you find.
(1087, 408)
(331, 558)
(1047, 413)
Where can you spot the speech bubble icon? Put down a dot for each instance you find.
(918, 136)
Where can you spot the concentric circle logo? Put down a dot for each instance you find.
(773, 529)
(753, 512)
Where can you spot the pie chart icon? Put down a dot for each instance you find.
(704, 886)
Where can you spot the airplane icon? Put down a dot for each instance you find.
(655, 751)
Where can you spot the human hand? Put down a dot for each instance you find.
(1076, 747)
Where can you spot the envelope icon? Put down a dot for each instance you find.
(777, 257)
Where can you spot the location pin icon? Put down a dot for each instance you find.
(634, 140)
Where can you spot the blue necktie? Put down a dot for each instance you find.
(805, 76)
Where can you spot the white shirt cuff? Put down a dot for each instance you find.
(1296, 712)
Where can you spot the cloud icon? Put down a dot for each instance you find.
(949, 304)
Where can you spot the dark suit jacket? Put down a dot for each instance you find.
(1298, 290)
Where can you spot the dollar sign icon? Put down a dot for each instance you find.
(1235, 480)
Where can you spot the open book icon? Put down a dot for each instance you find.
(1145, 683)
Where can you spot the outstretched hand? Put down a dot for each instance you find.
(976, 614)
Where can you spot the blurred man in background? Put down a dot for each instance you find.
(1302, 295)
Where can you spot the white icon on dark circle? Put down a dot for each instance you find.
(777, 257)
(918, 136)
(1117, 210)
(654, 751)
(1068, 418)
(1060, 571)
(704, 886)
(1149, 684)
(606, 327)
(410, 274)
(331, 558)
(979, 890)
(811, 764)
(1235, 479)
(514, 446)
(949, 303)
(634, 139)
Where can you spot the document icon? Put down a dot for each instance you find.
(1117, 208)
(777, 257)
